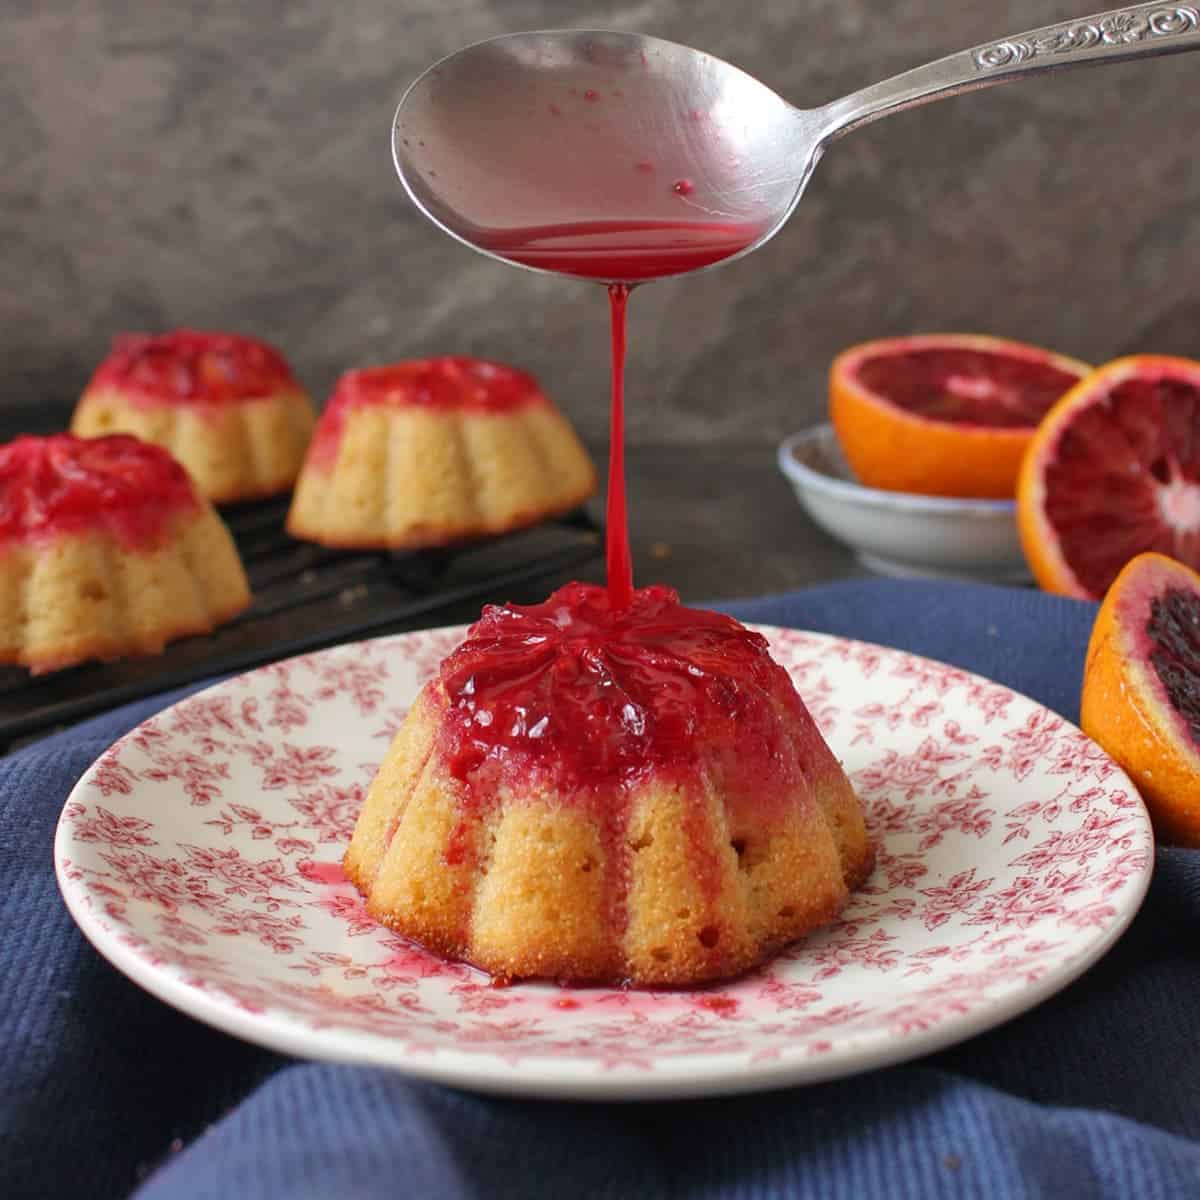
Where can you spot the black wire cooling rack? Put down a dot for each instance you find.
(305, 597)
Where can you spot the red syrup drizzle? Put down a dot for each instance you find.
(620, 563)
(622, 253)
(452, 382)
(64, 484)
(596, 688)
(194, 367)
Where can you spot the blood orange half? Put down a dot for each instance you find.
(1141, 688)
(944, 414)
(1114, 470)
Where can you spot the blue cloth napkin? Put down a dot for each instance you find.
(105, 1091)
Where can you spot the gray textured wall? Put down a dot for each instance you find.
(225, 164)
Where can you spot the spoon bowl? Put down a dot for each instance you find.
(583, 148)
(622, 157)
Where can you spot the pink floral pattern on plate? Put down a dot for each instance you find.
(200, 855)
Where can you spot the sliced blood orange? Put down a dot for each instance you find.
(1114, 470)
(944, 414)
(1141, 688)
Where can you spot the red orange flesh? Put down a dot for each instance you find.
(1114, 471)
(1141, 688)
(944, 414)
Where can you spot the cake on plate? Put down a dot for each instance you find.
(591, 795)
(106, 550)
(226, 406)
(436, 451)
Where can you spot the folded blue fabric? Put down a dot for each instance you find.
(1095, 1093)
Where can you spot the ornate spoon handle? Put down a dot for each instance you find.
(1122, 33)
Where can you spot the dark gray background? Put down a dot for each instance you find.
(226, 165)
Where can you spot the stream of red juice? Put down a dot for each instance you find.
(620, 563)
(622, 253)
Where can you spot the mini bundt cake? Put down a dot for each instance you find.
(106, 550)
(596, 796)
(435, 451)
(226, 406)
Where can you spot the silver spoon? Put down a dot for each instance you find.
(620, 157)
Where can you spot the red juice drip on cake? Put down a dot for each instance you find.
(620, 564)
(600, 684)
(597, 695)
(577, 698)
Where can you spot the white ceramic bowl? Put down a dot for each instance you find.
(898, 533)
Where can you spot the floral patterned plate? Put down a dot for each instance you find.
(200, 855)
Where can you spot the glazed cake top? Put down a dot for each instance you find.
(193, 367)
(449, 382)
(452, 383)
(66, 484)
(597, 697)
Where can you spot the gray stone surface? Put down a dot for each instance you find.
(225, 164)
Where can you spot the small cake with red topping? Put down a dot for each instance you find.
(226, 406)
(588, 795)
(436, 451)
(106, 550)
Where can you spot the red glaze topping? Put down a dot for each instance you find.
(66, 484)
(590, 697)
(453, 382)
(189, 367)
